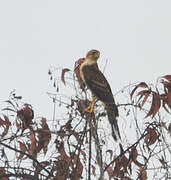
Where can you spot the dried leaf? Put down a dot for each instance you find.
(140, 165)
(32, 148)
(2, 122)
(110, 152)
(124, 162)
(62, 170)
(3, 172)
(167, 99)
(110, 172)
(143, 174)
(63, 74)
(5, 132)
(168, 77)
(7, 122)
(79, 170)
(81, 151)
(117, 168)
(38, 168)
(63, 153)
(142, 85)
(127, 178)
(44, 137)
(77, 72)
(26, 115)
(144, 93)
(155, 106)
(167, 86)
(23, 148)
(169, 128)
(151, 137)
(19, 126)
(93, 170)
(132, 155)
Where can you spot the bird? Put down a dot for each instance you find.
(100, 88)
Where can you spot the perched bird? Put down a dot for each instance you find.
(100, 88)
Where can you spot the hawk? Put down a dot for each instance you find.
(100, 88)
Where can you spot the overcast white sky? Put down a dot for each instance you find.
(133, 35)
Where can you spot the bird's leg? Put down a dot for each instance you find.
(90, 108)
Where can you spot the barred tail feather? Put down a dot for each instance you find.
(112, 113)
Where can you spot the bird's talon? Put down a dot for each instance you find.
(89, 109)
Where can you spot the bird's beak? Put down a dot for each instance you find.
(98, 54)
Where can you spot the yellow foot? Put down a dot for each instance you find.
(89, 109)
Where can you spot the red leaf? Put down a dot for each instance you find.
(7, 122)
(93, 170)
(5, 131)
(110, 172)
(32, 148)
(142, 85)
(38, 168)
(2, 122)
(155, 106)
(63, 74)
(26, 115)
(62, 170)
(77, 72)
(111, 153)
(79, 169)
(167, 86)
(63, 153)
(151, 137)
(3, 172)
(143, 174)
(167, 99)
(169, 128)
(23, 148)
(44, 136)
(133, 154)
(144, 93)
(82, 152)
(168, 77)
(165, 102)
(124, 162)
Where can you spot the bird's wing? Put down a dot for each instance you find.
(97, 83)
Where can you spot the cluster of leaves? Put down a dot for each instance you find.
(158, 98)
(73, 146)
(30, 138)
(123, 165)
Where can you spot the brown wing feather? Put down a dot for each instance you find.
(100, 87)
(98, 84)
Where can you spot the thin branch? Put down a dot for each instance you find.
(18, 175)
(28, 155)
(130, 147)
(89, 160)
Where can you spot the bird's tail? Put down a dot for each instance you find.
(112, 113)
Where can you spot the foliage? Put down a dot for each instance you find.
(78, 145)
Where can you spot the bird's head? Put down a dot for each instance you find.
(93, 55)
